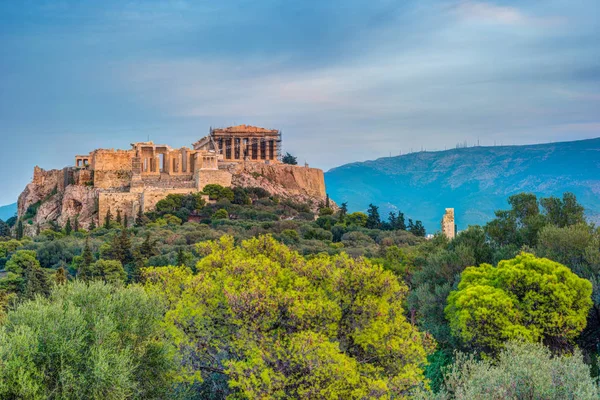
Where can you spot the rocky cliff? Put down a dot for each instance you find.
(58, 195)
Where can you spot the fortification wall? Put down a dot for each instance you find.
(220, 177)
(112, 160)
(149, 198)
(128, 203)
(118, 179)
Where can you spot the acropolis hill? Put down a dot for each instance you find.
(134, 179)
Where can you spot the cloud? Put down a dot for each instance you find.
(486, 12)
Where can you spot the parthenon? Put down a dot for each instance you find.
(243, 143)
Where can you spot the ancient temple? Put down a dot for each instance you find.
(243, 143)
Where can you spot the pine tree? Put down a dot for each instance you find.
(121, 247)
(68, 228)
(180, 257)
(87, 259)
(19, 232)
(107, 219)
(141, 218)
(401, 223)
(92, 225)
(125, 221)
(76, 224)
(60, 277)
(343, 211)
(119, 220)
(373, 219)
(327, 202)
(35, 282)
(4, 229)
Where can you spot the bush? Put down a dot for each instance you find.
(522, 371)
(221, 214)
(85, 341)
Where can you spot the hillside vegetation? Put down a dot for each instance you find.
(249, 296)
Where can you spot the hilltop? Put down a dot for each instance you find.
(8, 211)
(475, 181)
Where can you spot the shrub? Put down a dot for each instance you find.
(522, 371)
(85, 341)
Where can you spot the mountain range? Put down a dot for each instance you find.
(474, 181)
(8, 211)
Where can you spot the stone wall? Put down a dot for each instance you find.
(128, 203)
(119, 179)
(216, 176)
(112, 160)
(149, 198)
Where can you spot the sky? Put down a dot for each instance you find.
(344, 80)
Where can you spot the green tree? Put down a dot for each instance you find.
(289, 159)
(87, 341)
(119, 219)
(357, 218)
(120, 248)
(416, 228)
(525, 298)
(85, 271)
(107, 219)
(221, 214)
(522, 371)
(68, 227)
(19, 231)
(92, 225)
(343, 212)
(277, 325)
(565, 212)
(33, 280)
(373, 219)
(4, 229)
(110, 271)
(76, 225)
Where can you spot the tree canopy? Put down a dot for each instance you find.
(275, 324)
(525, 298)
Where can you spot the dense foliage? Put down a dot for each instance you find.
(85, 341)
(246, 295)
(525, 298)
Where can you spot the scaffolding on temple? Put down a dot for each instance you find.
(279, 153)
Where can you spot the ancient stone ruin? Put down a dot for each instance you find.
(134, 180)
(448, 225)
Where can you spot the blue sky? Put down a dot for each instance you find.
(345, 80)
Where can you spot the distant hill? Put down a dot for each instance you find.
(475, 181)
(8, 211)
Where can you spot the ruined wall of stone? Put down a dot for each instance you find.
(150, 197)
(128, 203)
(118, 179)
(219, 177)
(282, 179)
(112, 160)
(448, 224)
(84, 177)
